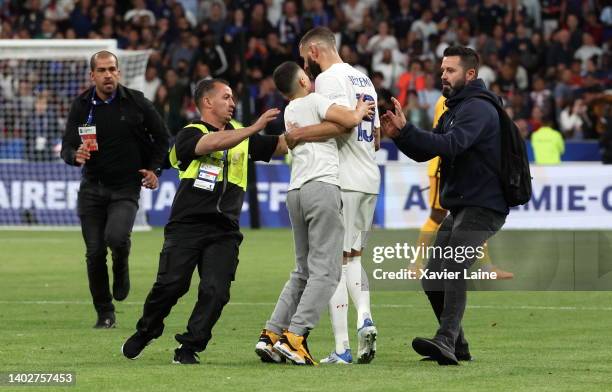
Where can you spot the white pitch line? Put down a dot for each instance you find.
(505, 307)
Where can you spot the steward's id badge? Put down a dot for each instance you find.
(88, 137)
(207, 177)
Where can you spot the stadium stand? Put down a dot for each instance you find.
(542, 57)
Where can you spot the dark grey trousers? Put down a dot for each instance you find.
(468, 226)
(318, 232)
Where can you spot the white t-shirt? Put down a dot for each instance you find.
(358, 170)
(315, 161)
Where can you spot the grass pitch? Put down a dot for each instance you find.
(522, 341)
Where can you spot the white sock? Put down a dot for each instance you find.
(357, 283)
(338, 314)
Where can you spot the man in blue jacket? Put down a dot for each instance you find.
(468, 140)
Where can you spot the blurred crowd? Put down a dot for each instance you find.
(549, 60)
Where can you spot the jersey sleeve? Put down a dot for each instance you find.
(321, 105)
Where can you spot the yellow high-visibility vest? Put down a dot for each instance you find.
(237, 159)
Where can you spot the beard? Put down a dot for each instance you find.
(449, 90)
(314, 69)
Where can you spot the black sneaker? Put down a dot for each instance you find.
(132, 348)
(435, 349)
(121, 280)
(185, 356)
(105, 321)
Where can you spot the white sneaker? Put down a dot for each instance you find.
(341, 359)
(366, 336)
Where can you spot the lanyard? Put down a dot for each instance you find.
(95, 103)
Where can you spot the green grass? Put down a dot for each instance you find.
(522, 341)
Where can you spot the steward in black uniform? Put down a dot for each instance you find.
(203, 228)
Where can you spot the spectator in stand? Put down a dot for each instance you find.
(233, 30)
(403, 19)
(541, 96)
(151, 83)
(487, 69)
(216, 20)
(573, 26)
(289, 25)
(177, 94)
(259, 26)
(552, 10)
(563, 91)
(140, 15)
(390, 64)
(425, 26)
(80, 18)
(429, 96)
(354, 11)
(382, 40)
(183, 49)
(571, 120)
(587, 50)
(535, 121)
(277, 53)
(317, 14)
(560, 51)
(33, 19)
(414, 79)
(490, 14)
(212, 54)
(58, 11)
(43, 130)
(384, 95)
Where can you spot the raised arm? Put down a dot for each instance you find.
(223, 140)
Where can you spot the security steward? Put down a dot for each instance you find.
(120, 141)
(203, 230)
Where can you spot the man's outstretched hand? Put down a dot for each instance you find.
(393, 122)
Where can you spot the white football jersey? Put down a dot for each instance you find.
(316, 161)
(343, 84)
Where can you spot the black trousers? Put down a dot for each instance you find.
(107, 218)
(216, 258)
(468, 226)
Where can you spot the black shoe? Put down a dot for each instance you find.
(121, 281)
(435, 349)
(132, 348)
(463, 356)
(105, 321)
(467, 357)
(185, 356)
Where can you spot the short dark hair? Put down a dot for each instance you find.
(469, 57)
(321, 34)
(285, 76)
(101, 54)
(205, 86)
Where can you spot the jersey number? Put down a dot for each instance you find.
(364, 126)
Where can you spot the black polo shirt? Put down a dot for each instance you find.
(195, 210)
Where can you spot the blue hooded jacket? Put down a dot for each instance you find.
(468, 140)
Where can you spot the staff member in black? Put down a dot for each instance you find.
(118, 138)
(468, 140)
(212, 158)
